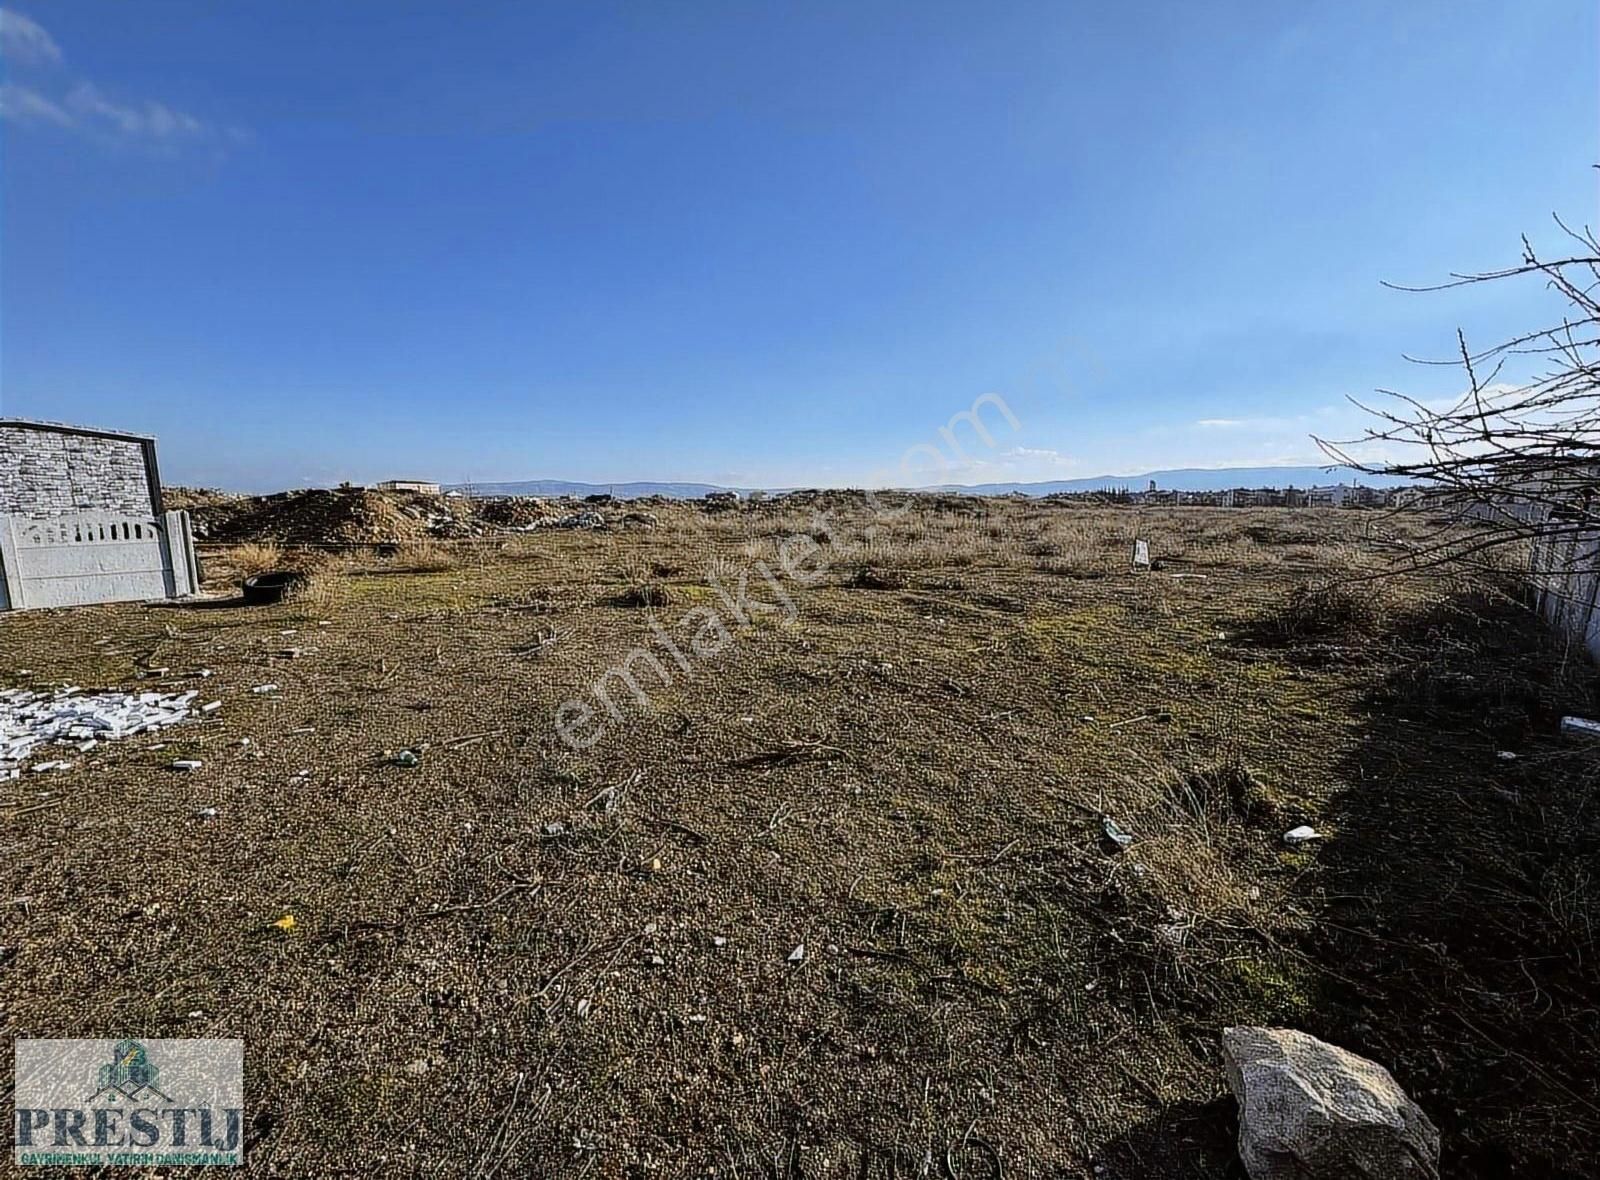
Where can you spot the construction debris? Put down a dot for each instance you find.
(1115, 833)
(1580, 726)
(29, 720)
(1301, 835)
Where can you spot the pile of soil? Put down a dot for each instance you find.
(313, 516)
(356, 516)
(511, 512)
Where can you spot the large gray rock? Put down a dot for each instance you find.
(1309, 1110)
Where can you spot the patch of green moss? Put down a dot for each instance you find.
(1270, 991)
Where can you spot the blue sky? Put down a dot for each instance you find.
(763, 244)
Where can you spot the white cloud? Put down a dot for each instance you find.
(24, 41)
(84, 107)
(146, 120)
(21, 105)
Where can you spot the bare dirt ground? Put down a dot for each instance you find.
(518, 958)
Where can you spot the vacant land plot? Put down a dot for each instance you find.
(838, 898)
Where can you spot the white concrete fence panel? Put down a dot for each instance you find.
(1565, 571)
(94, 557)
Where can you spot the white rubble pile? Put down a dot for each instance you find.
(29, 720)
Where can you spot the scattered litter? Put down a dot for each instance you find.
(1141, 553)
(1580, 725)
(263, 689)
(657, 961)
(1301, 834)
(205, 813)
(575, 520)
(285, 923)
(211, 707)
(798, 955)
(718, 940)
(29, 720)
(41, 767)
(1115, 833)
(555, 828)
(1506, 756)
(406, 758)
(187, 764)
(585, 1006)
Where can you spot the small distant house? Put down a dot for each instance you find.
(81, 519)
(1333, 496)
(425, 486)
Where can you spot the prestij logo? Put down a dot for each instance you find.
(149, 1103)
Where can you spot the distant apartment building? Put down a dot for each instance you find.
(1345, 495)
(424, 486)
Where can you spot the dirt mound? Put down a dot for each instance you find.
(177, 499)
(511, 512)
(310, 517)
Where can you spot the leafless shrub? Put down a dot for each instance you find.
(1517, 455)
(1333, 610)
(317, 594)
(641, 587)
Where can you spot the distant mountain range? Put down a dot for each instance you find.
(1187, 479)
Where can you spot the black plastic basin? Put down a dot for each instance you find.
(270, 587)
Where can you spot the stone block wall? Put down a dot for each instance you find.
(46, 472)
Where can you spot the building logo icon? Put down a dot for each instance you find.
(130, 1075)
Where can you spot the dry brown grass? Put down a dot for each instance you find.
(513, 948)
(253, 558)
(318, 594)
(425, 557)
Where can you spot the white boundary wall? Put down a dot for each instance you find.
(1565, 571)
(91, 557)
